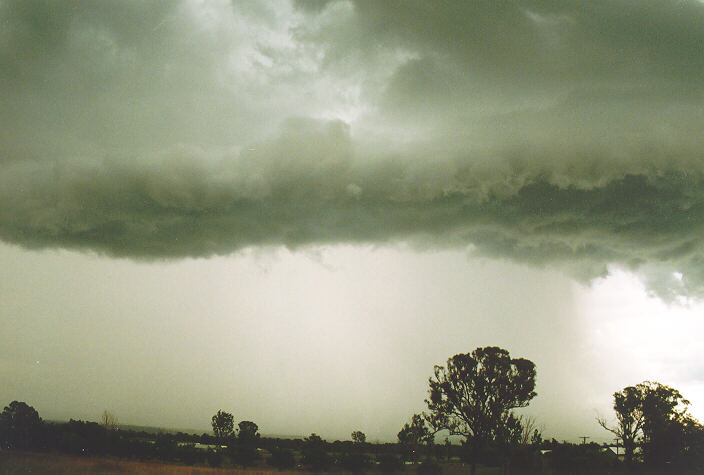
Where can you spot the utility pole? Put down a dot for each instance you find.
(584, 438)
(616, 440)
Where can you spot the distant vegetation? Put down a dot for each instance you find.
(471, 399)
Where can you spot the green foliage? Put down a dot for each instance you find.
(429, 467)
(526, 460)
(282, 459)
(223, 425)
(389, 463)
(691, 457)
(213, 458)
(165, 447)
(244, 454)
(315, 453)
(356, 462)
(416, 432)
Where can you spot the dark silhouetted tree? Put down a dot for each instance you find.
(315, 454)
(664, 417)
(282, 458)
(358, 437)
(628, 405)
(20, 426)
(474, 395)
(223, 426)
(389, 463)
(654, 416)
(413, 434)
(248, 432)
(245, 451)
(530, 434)
(108, 420)
(356, 462)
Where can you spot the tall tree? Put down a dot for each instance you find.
(474, 395)
(245, 452)
(20, 426)
(223, 426)
(654, 416)
(664, 414)
(628, 405)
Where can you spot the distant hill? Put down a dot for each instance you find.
(172, 430)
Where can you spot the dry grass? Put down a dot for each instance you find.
(17, 462)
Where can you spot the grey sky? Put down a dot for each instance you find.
(166, 149)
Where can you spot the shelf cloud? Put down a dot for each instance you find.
(553, 133)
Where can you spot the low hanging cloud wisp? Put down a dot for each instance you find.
(577, 146)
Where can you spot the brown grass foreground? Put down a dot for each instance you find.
(19, 462)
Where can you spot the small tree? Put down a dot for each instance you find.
(413, 434)
(358, 437)
(530, 434)
(223, 426)
(108, 420)
(474, 395)
(315, 454)
(248, 432)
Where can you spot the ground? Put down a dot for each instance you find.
(17, 462)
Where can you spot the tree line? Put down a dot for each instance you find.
(472, 399)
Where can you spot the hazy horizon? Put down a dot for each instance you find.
(292, 210)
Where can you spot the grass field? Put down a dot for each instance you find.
(17, 462)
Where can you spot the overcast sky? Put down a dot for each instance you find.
(292, 211)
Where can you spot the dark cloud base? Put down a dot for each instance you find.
(553, 133)
(631, 221)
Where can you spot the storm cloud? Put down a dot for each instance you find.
(554, 133)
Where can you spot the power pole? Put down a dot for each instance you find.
(616, 440)
(584, 438)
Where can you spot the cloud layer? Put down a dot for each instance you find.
(562, 133)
